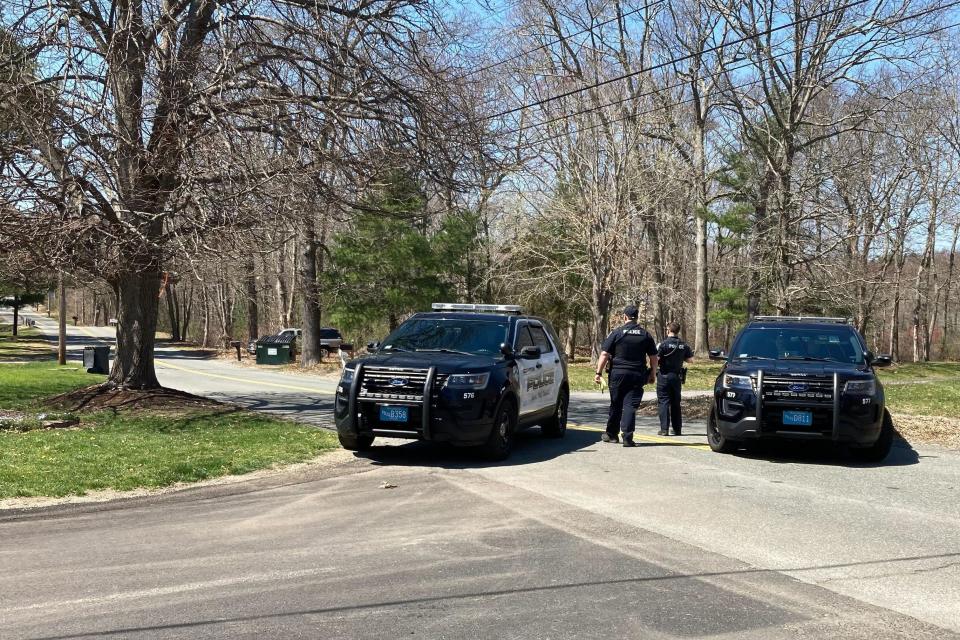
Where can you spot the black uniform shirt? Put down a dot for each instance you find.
(630, 345)
(672, 352)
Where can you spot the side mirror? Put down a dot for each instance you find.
(718, 354)
(506, 350)
(372, 347)
(882, 361)
(530, 353)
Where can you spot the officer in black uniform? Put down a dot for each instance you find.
(628, 348)
(673, 353)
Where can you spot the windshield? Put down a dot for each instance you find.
(466, 336)
(827, 344)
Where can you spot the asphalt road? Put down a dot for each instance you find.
(567, 539)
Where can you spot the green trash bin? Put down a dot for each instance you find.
(275, 349)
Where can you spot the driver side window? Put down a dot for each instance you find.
(524, 339)
(540, 339)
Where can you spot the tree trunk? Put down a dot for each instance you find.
(133, 366)
(602, 299)
(951, 267)
(572, 339)
(253, 308)
(701, 337)
(310, 294)
(16, 313)
(205, 296)
(61, 322)
(172, 311)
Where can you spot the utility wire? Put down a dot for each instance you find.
(542, 140)
(563, 38)
(672, 61)
(745, 65)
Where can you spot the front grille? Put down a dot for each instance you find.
(392, 383)
(815, 390)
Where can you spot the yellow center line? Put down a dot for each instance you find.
(289, 387)
(647, 438)
(92, 335)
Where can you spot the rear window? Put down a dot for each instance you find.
(827, 344)
(329, 334)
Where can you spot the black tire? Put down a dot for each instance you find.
(499, 444)
(715, 439)
(880, 449)
(355, 443)
(556, 426)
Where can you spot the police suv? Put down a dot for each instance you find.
(800, 378)
(467, 374)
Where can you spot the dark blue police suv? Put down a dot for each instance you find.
(801, 378)
(470, 375)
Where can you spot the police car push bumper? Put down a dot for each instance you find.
(747, 408)
(461, 413)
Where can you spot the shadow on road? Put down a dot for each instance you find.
(824, 453)
(529, 447)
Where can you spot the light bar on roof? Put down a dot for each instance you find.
(801, 319)
(477, 308)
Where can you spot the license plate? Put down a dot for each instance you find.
(798, 418)
(394, 414)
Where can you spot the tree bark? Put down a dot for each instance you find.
(253, 307)
(138, 300)
(16, 313)
(310, 294)
(172, 312)
(572, 339)
(61, 322)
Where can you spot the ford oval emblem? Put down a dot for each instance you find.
(398, 382)
(799, 387)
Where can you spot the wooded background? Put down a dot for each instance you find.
(223, 169)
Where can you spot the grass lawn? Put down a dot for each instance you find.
(939, 398)
(135, 448)
(920, 371)
(25, 346)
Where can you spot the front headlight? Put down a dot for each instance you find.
(348, 375)
(731, 381)
(468, 380)
(860, 387)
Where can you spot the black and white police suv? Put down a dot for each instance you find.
(801, 378)
(467, 374)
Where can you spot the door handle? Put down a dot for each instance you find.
(557, 361)
(539, 366)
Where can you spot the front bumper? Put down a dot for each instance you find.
(444, 415)
(853, 420)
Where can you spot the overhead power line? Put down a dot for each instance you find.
(565, 116)
(563, 38)
(672, 61)
(539, 141)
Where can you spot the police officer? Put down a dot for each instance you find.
(672, 353)
(628, 348)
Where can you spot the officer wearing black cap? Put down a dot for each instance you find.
(628, 348)
(672, 353)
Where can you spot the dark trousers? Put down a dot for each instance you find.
(668, 401)
(626, 392)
